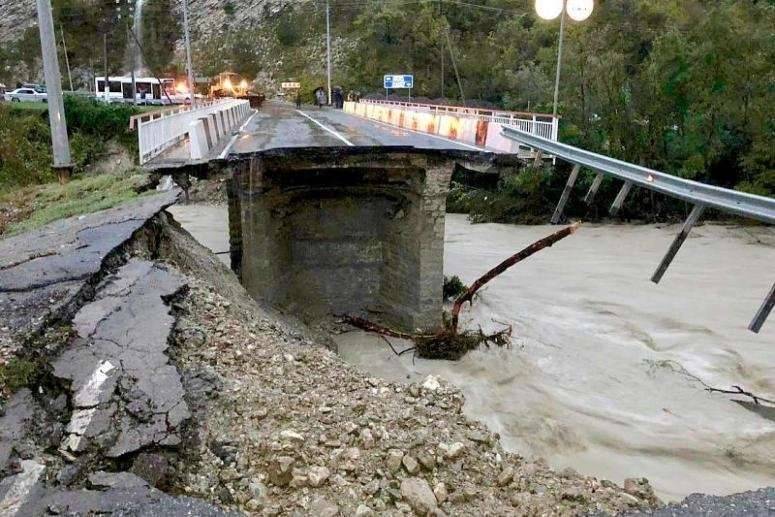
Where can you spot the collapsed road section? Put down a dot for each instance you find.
(89, 323)
(157, 386)
(154, 384)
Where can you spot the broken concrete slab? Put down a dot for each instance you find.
(119, 493)
(15, 424)
(124, 392)
(42, 271)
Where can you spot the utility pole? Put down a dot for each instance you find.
(442, 56)
(133, 48)
(328, 48)
(106, 84)
(191, 83)
(67, 59)
(559, 62)
(56, 107)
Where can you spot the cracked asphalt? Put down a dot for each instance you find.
(121, 394)
(122, 342)
(42, 271)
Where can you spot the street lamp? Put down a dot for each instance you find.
(578, 10)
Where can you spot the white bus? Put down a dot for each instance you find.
(149, 90)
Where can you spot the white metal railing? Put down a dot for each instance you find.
(541, 124)
(158, 134)
(135, 120)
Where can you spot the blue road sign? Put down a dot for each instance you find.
(392, 82)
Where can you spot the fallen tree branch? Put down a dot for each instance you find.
(506, 264)
(399, 354)
(447, 342)
(740, 391)
(370, 326)
(710, 389)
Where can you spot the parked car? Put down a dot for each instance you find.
(27, 95)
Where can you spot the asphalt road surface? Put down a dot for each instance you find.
(281, 125)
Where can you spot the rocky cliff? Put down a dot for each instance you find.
(15, 17)
(209, 17)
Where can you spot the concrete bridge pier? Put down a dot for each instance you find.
(335, 231)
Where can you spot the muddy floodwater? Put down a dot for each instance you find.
(607, 371)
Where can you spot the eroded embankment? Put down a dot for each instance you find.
(85, 304)
(166, 378)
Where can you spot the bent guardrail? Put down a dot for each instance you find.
(700, 195)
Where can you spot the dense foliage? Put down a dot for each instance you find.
(25, 139)
(684, 86)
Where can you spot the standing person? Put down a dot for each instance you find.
(321, 97)
(298, 98)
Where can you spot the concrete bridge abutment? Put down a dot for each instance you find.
(343, 231)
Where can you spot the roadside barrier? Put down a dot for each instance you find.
(478, 127)
(204, 127)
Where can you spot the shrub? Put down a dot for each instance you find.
(24, 149)
(453, 287)
(91, 117)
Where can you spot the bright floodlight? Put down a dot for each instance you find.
(580, 10)
(549, 9)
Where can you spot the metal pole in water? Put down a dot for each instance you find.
(56, 106)
(187, 34)
(328, 48)
(763, 312)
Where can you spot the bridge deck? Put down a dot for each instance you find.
(278, 125)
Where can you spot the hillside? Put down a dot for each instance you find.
(680, 85)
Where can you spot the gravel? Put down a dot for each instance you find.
(309, 434)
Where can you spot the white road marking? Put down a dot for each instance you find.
(89, 394)
(437, 137)
(20, 490)
(227, 150)
(87, 397)
(326, 128)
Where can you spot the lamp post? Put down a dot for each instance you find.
(578, 10)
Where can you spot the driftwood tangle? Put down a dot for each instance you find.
(448, 342)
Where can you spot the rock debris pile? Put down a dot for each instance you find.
(168, 391)
(293, 430)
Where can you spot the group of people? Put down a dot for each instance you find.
(320, 98)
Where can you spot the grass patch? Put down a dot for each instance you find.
(39, 205)
(16, 374)
(28, 106)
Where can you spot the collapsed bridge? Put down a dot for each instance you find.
(336, 211)
(330, 231)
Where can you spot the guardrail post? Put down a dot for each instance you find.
(620, 197)
(539, 156)
(574, 174)
(590, 197)
(763, 312)
(198, 140)
(216, 125)
(207, 123)
(678, 242)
